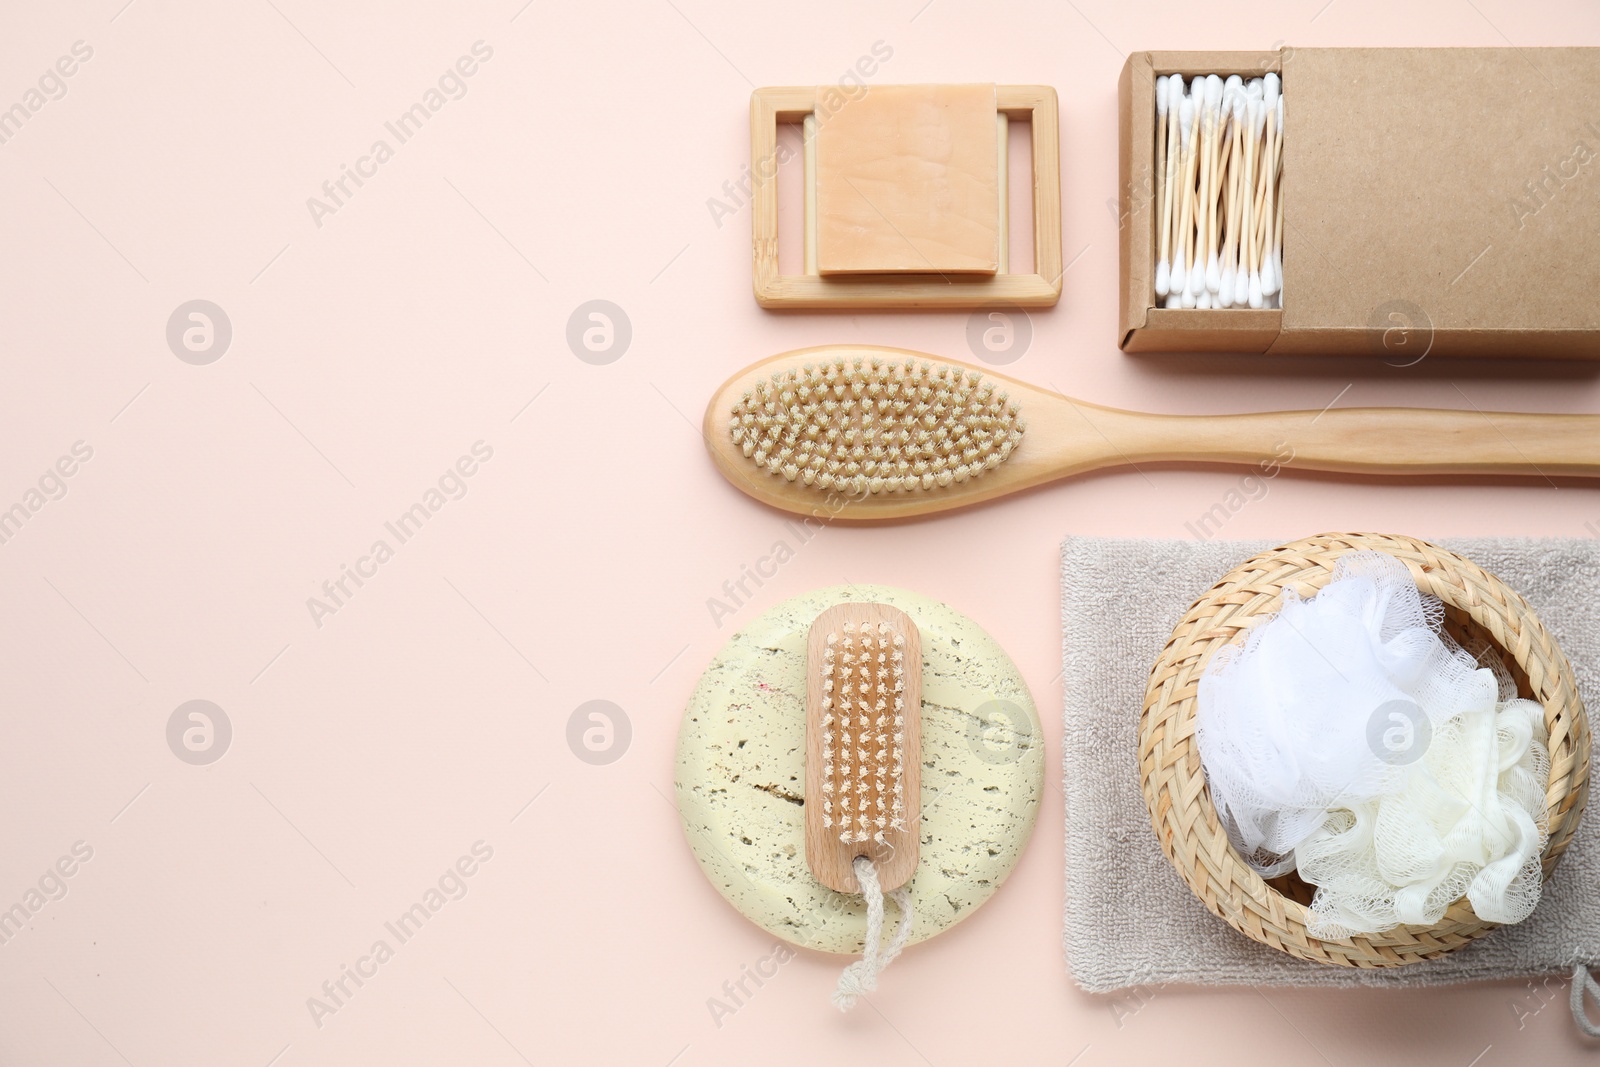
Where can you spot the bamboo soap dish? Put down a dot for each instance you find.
(905, 201)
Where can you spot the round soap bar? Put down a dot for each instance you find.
(741, 772)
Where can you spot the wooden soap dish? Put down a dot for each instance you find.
(949, 256)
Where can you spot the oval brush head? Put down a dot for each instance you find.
(858, 426)
(863, 744)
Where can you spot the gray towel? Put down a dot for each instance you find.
(1130, 919)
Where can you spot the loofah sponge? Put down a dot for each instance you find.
(1352, 740)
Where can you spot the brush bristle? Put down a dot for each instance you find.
(875, 426)
(863, 732)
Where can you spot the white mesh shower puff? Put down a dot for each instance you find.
(1352, 739)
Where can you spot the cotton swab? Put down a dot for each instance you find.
(1202, 234)
(1270, 98)
(1202, 168)
(1225, 205)
(1170, 152)
(1258, 237)
(1176, 128)
(1194, 277)
(1188, 115)
(1163, 268)
(1277, 228)
(1241, 292)
(1174, 173)
(1269, 267)
(1257, 120)
(1211, 183)
(1233, 102)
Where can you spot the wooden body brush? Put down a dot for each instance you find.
(863, 770)
(863, 740)
(867, 434)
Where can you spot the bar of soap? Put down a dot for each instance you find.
(741, 772)
(907, 181)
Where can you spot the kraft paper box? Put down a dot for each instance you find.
(1437, 202)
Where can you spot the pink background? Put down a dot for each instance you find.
(372, 351)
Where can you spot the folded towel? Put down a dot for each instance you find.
(1130, 919)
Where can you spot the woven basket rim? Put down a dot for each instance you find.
(1179, 801)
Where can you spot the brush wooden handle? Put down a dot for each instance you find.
(1066, 437)
(1417, 441)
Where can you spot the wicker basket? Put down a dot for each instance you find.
(1476, 604)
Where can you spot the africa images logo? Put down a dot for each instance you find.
(451, 85)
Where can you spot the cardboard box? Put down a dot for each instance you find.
(1437, 202)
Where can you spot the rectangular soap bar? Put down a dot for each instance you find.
(907, 181)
